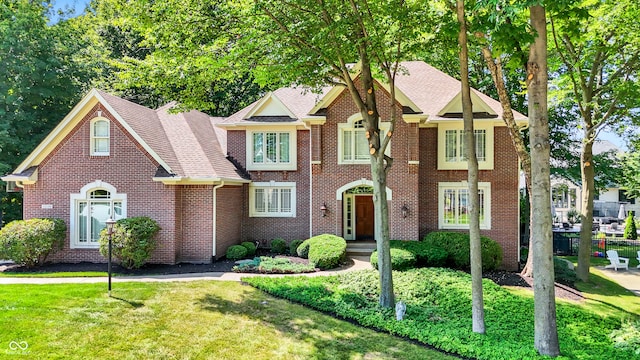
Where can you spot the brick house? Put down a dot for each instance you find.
(291, 165)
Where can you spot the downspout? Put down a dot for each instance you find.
(310, 205)
(215, 217)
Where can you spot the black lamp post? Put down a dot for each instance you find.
(110, 223)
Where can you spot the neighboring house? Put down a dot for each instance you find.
(567, 196)
(297, 166)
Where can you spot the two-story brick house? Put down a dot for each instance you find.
(297, 166)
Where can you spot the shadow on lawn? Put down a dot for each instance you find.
(607, 288)
(330, 337)
(133, 304)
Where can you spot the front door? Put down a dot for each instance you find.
(364, 217)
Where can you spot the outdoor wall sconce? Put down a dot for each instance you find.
(324, 209)
(405, 211)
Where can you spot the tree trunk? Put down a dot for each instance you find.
(379, 169)
(586, 215)
(495, 67)
(546, 333)
(472, 166)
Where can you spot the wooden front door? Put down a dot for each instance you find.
(364, 218)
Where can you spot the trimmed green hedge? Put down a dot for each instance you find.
(400, 259)
(278, 246)
(133, 241)
(324, 251)
(251, 248)
(303, 249)
(457, 246)
(29, 242)
(293, 247)
(236, 252)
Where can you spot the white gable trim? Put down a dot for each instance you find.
(264, 103)
(68, 124)
(455, 105)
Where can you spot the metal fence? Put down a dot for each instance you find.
(566, 243)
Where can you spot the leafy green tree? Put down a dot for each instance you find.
(598, 51)
(630, 168)
(314, 43)
(39, 83)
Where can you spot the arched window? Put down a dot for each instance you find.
(100, 139)
(90, 210)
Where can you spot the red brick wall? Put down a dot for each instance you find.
(504, 191)
(265, 229)
(197, 224)
(329, 175)
(229, 218)
(128, 168)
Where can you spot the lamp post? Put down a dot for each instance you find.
(110, 223)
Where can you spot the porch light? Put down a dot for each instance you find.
(110, 222)
(405, 211)
(324, 209)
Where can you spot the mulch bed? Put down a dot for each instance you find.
(505, 278)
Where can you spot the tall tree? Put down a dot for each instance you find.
(39, 83)
(599, 53)
(546, 332)
(313, 43)
(472, 167)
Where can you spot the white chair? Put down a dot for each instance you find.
(616, 261)
(638, 259)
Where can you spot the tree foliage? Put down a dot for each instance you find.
(40, 80)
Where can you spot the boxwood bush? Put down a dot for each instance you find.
(293, 247)
(133, 241)
(426, 254)
(29, 242)
(303, 249)
(324, 251)
(401, 259)
(251, 248)
(457, 246)
(236, 252)
(278, 246)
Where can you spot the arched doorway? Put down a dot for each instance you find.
(359, 223)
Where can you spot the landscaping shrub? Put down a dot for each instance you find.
(401, 259)
(457, 246)
(236, 252)
(133, 241)
(251, 248)
(293, 247)
(630, 230)
(627, 337)
(303, 249)
(563, 274)
(271, 265)
(326, 251)
(29, 242)
(278, 246)
(426, 254)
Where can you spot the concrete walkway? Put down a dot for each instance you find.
(628, 279)
(359, 263)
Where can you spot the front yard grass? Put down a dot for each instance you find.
(180, 320)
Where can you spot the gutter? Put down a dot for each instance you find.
(215, 217)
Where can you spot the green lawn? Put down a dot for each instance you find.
(180, 320)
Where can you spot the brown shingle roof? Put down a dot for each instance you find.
(187, 142)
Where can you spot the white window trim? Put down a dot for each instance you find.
(83, 195)
(443, 164)
(272, 185)
(93, 137)
(384, 128)
(291, 165)
(485, 186)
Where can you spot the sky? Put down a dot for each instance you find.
(79, 5)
